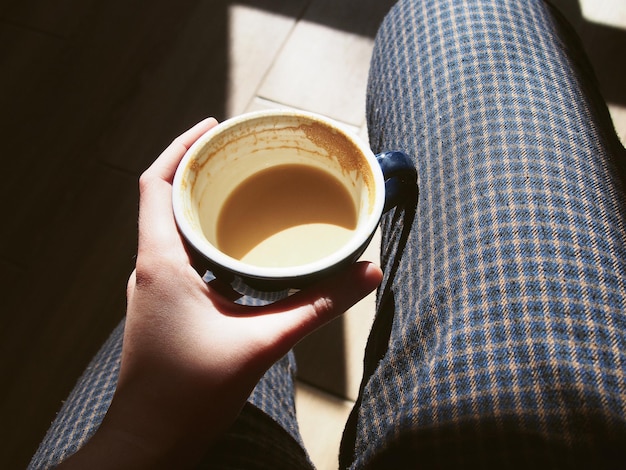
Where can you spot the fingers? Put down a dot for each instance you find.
(157, 230)
(164, 167)
(309, 309)
(335, 295)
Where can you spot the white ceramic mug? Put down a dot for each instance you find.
(278, 199)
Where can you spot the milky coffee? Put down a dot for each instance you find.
(286, 215)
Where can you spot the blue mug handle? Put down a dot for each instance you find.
(400, 176)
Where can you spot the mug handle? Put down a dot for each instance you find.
(400, 176)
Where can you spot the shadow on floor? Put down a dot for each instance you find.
(91, 92)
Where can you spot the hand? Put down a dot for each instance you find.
(191, 357)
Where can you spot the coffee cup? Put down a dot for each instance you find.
(278, 199)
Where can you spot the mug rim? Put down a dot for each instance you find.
(215, 256)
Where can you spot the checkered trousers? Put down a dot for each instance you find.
(500, 336)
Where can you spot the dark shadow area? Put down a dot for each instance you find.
(91, 92)
(463, 444)
(354, 16)
(604, 45)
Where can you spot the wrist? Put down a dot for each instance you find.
(130, 438)
(114, 448)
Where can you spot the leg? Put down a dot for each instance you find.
(83, 411)
(265, 436)
(503, 324)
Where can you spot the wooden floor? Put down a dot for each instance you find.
(92, 91)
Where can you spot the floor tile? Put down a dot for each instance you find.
(324, 65)
(255, 39)
(322, 418)
(607, 12)
(56, 19)
(260, 104)
(618, 113)
(321, 70)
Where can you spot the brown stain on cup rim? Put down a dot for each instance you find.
(333, 140)
(339, 145)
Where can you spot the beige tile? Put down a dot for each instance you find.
(260, 104)
(618, 114)
(322, 418)
(363, 133)
(255, 37)
(322, 70)
(325, 63)
(607, 12)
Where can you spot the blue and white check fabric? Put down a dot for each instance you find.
(505, 313)
(500, 332)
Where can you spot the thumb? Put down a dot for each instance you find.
(313, 307)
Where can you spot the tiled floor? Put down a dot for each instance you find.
(92, 90)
